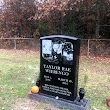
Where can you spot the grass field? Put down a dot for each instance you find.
(95, 77)
(19, 70)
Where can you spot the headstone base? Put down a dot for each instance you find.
(61, 103)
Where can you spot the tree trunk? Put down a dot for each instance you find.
(97, 19)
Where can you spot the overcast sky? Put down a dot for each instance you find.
(1, 1)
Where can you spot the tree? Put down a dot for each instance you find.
(18, 18)
(81, 18)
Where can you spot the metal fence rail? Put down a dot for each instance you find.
(89, 47)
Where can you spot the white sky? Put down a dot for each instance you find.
(1, 1)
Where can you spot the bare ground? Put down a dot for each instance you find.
(21, 52)
(29, 104)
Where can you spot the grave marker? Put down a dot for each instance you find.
(59, 66)
(59, 61)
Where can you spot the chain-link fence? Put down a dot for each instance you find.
(19, 43)
(95, 47)
(89, 47)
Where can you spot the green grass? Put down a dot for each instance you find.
(97, 84)
(18, 71)
(16, 75)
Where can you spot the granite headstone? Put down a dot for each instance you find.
(59, 61)
(59, 66)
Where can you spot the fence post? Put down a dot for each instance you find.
(88, 48)
(15, 42)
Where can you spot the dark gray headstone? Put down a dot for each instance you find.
(59, 59)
